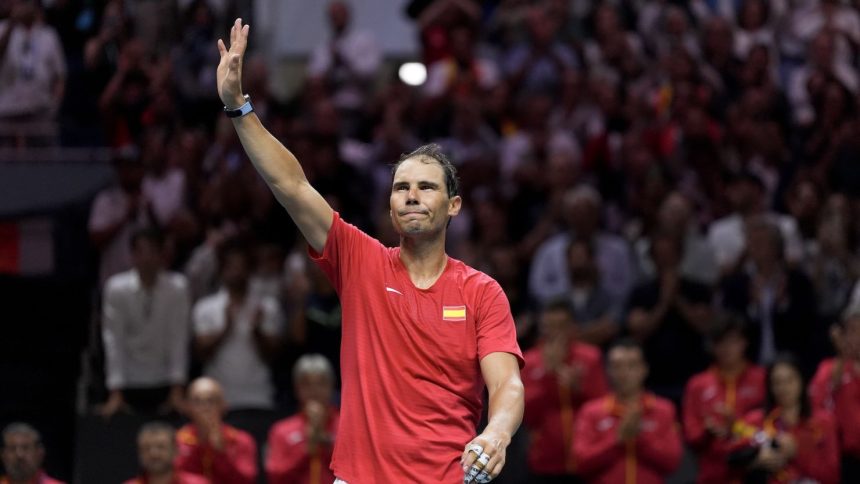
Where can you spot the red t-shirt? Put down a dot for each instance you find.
(601, 458)
(236, 463)
(551, 411)
(842, 398)
(410, 360)
(42, 478)
(288, 460)
(178, 478)
(705, 393)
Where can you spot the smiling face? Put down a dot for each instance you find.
(420, 205)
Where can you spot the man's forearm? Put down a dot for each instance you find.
(506, 408)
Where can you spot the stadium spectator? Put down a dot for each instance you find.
(117, 212)
(715, 398)
(32, 66)
(746, 192)
(669, 315)
(300, 447)
(237, 333)
(630, 435)
(836, 389)
(346, 62)
(23, 455)
(157, 451)
(778, 300)
(596, 313)
(582, 215)
(787, 439)
(145, 329)
(210, 448)
(676, 218)
(562, 373)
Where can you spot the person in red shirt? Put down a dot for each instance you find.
(423, 333)
(631, 435)
(787, 441)
(300, 446)
(210, 448)
(715, 398)
(561, 374)
(156, 450)
(22, 455)
(836, 388)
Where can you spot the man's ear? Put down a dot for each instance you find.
(454, 205)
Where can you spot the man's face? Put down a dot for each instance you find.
(156, 451)
(761, 245)
(206, 403)
(583, 216)
(315, 386)
(236, 270)
(147, 256)
(626, 369)
(730, 348)
(420, 206)
(22, 456)
(555, 324)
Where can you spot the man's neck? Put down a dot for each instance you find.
(425, 260)
(731, 369)
(237, 293)
(148, 278)
(630, 398)
(165, 478)
(24, 481)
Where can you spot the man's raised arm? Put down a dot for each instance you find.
(278, 167)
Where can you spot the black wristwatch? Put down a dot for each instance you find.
(241, 110)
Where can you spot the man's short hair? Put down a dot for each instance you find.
(435, 153)
(149, 234)
(157, 427)
(21, 428)
(626, 343)
(236, 245)
(726, 323)
(583, 192)
(313, 363)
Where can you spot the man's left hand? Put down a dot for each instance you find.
(484, 457)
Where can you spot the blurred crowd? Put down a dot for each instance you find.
(681, 174)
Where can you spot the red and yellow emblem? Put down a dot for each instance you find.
(454, 313)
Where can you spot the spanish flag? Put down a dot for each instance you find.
(454, 313)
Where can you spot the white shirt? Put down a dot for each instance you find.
(145, 332)
(549, 275)
(728, 239)
(167, 193)
(33, 62)
(361, 53)
(236, 364)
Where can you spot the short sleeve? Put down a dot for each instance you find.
(104, 212)
(205, 321)
(495, 325)
(345, 248)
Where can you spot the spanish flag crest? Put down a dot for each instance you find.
(454, 313)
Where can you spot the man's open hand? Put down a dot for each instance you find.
(229, 72)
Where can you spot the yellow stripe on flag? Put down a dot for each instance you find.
(454, 313)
